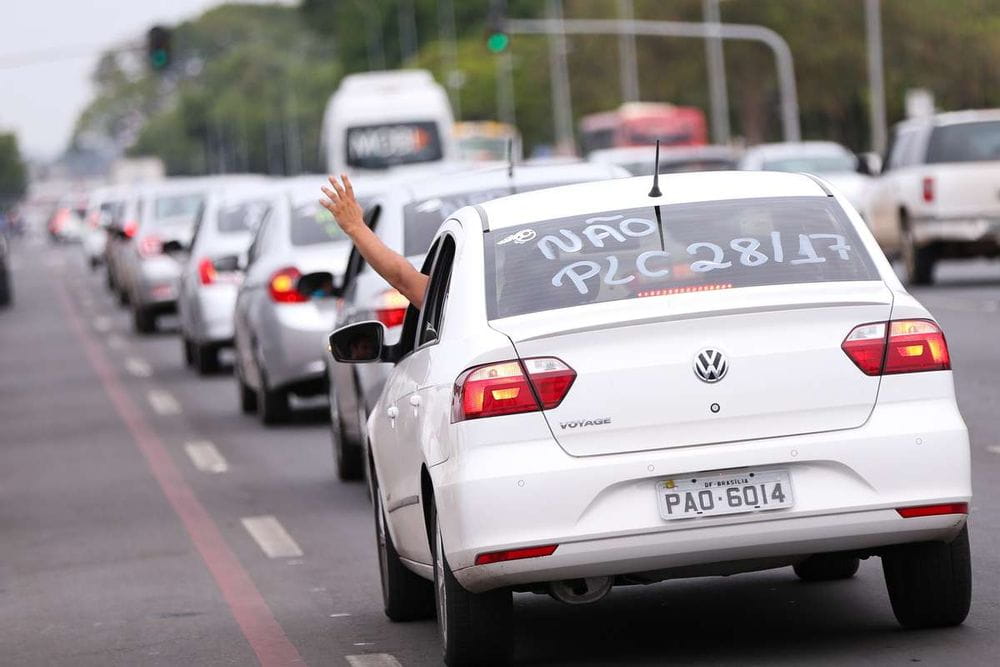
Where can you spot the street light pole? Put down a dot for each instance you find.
(446, 22)
(562, 103)
(627, 60)
(717, 93)
(876, 83)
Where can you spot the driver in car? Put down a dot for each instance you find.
(389, 264)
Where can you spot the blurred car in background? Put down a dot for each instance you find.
(210, 278)
(939, 193)
(487, 140)
(279, 334)
(405, 218)
(836, 164)
(66, 222)
(642, 124)
(6, 286)
(638, 160)
(157, 228)
(102, 207)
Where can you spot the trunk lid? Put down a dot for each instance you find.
(965, 189)
(637, 390)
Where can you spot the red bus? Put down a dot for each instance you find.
(641, 124)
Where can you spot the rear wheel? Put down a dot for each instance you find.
(347, 452)
(405, 596)
(6, 295)
(248, 397)
(206, 358)
(188, 352)
(143, 320)
(122, 296)
(918, 260)
(827, 567)
(272, 404)
(930, 583)
(475, 628)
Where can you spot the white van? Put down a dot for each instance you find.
(377, 120)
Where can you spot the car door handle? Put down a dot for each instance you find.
(415, 402)
(392, 411)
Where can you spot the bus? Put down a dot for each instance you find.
(641, 124)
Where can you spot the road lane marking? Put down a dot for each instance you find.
(116, 342)
(138, 367)
(372, 659)
(271, 537)
(339, 615)
(206, 457)
(993, 449)
(163, 402)
(102, 323)
(258, 625)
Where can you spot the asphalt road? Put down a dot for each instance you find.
(129, 488)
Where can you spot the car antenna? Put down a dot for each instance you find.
(655, 190)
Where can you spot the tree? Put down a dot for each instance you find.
(13, 174)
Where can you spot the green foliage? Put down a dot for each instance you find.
(13, 174)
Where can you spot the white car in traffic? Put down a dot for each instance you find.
(606, 386)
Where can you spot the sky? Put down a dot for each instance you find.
(40, 102)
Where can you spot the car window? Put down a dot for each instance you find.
(386, 145)
(965, 142)
(242, 217)
(408, 336)
(657, 251)
(312, 224)
(437, 292)
(900, 146)
(178, 210)
(257, 247)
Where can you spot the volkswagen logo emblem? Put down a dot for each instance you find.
(710, 365)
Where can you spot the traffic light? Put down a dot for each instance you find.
(158, 48)
(497, 39)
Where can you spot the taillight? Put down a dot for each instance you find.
(391, 308)
(928, 188)
(515, 554)
(206, 271)
(150, 246)
(933, 510)
(282, 286)
(899, 346)
(130, 228)
(511, 387)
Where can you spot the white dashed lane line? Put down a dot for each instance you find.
(138, 367)
(372, 660)
(271, 537)
(206, 457)
(102, 323)
(993, 449)
(163, 402)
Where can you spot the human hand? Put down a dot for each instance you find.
(342, 204)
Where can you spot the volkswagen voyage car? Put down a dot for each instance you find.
(606, 387)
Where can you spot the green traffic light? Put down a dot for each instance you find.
(158, 59)
(498, 42)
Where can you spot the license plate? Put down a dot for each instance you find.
(724, 493)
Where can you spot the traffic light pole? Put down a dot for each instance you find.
(782, 54)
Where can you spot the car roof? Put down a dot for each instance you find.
(497, 176)
(785, 149)
(626, 193)
(633, 154)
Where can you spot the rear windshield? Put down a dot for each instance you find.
(177, 209)
(242, 217)
(965, 142)
(312, 224)
(384, 146)
(813, 164)
(422, 218)
(625, 254)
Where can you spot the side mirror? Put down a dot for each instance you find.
(869, 164)
(171, 247)
(318, 285)
(358, 343)
(227, 264)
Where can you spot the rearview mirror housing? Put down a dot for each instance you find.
(359, 343)
(320, 284)
(171, 247)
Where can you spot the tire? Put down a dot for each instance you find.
(272, 404)
(405, 595)
(930, 583)
(206, 358)
(6, 293)
(475, 628)
(827, 567)
(918, 260)
(248, 397)
(123, 299)
(143, 320)
(188, 352)
(348, 456)
(109, 279)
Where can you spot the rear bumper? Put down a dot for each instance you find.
(212, 321)
(156, 282)
(956, 229)
(603, 514)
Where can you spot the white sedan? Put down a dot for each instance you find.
(609, 387)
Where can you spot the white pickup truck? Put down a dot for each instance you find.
(939, 194)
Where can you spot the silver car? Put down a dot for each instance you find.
(406, 218)
(280, 334)
(210, 277)
(159, 228)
